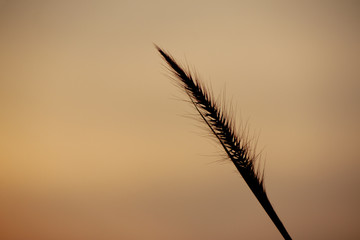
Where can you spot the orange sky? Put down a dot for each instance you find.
(95, 143)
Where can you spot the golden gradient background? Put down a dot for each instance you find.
(94, 143)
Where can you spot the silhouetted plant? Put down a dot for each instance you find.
(237, 147)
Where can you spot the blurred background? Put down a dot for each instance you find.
(95, 142)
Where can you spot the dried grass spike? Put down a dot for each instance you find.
(236, 146)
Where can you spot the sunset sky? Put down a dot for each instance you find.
(96, 142)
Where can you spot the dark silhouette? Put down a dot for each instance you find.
(236, 147)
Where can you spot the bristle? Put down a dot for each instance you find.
(237, 147)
